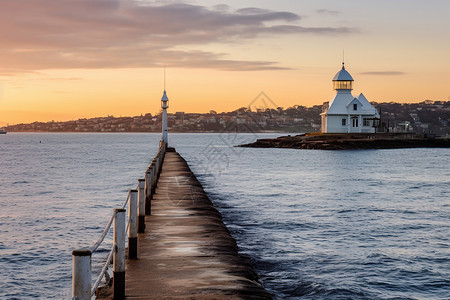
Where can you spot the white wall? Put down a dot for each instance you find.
(334, 125)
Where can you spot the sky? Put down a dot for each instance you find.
(69, 59)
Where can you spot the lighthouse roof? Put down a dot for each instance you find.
(343, 75)
(368, 105)
(164, 97)
(342, 105)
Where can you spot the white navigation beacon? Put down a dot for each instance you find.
(164, 106)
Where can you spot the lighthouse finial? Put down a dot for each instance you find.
(343, 59)
(164, 78)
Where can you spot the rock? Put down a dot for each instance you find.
(351, 141)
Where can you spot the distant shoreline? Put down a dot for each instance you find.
(425, 117)
(43, 131)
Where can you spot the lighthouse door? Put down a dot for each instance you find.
(355, 124)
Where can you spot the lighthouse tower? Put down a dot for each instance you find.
(346, 113)
(164, 106)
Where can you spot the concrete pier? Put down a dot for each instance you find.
(186, 251)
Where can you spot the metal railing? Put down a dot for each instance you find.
(139, 205)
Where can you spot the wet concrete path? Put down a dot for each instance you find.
(186, 251)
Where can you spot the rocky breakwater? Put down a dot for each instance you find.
(351, 141)
(186, 251)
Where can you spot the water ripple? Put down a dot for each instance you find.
(314, 224)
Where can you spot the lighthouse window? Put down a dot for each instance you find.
(342, 85)
(344, 122)
(355, 106)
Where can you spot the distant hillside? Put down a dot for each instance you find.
(424, 117)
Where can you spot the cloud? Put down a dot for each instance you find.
(328, 12)
(384, 73)
(221, 7)
(49, 34)
(10, 72)
(65, 79)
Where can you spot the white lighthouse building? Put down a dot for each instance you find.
(164, 106)
(346, 113)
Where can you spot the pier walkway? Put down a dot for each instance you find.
(186, 252)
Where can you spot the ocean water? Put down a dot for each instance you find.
(369, 224)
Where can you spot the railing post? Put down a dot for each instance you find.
(81, 274)
(163, 151)
(161, 159)
(119, 254)
(159, 164)
(148, 191)
(156, 168)
(141, 205)
(132, 228)
(154, 177)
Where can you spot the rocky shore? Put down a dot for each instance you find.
(351, 141)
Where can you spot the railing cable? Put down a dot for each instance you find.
(103, 272)
(94, 247)
(83, 266)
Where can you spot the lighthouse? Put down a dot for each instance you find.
(346, 113)
(164, 106)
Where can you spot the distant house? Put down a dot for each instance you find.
(345, 113)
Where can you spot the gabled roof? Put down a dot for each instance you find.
(342, 105)
(338, 106)
(363, 100)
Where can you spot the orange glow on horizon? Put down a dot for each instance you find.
(73, 94)
(218, 57)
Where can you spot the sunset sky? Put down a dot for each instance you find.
(70, 59)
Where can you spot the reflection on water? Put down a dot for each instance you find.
(370, 224)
